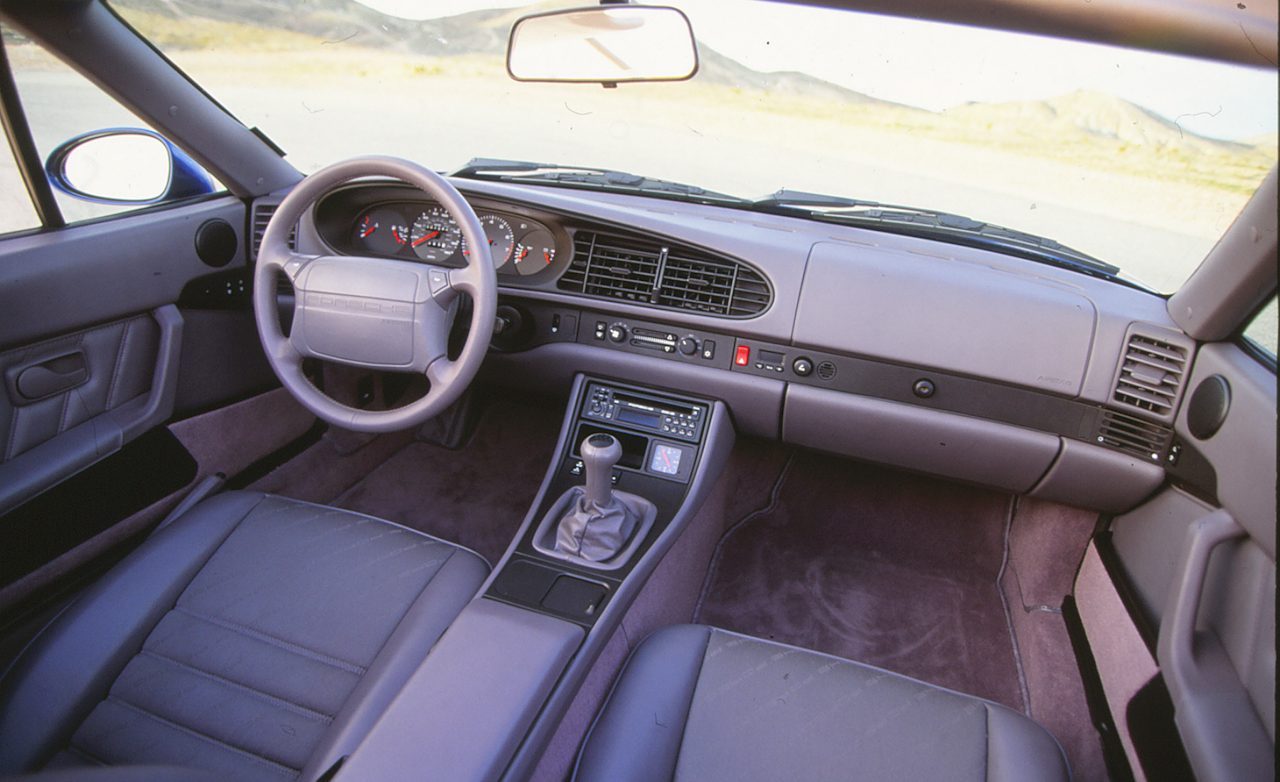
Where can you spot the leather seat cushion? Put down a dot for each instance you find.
(699, 703)
(256, 637)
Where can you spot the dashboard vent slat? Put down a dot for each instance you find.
(1151, 375)
(261, 216)
(660, 275)
(1134, 435)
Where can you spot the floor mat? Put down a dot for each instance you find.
(877, 566)
(475, 496)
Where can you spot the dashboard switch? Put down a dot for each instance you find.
(924, 388)
(687, 346)
(802, 367)
(617, 333)
(743, 355)
(708, 349)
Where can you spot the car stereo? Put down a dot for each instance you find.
(678, 420)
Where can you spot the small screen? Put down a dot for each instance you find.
(770, 357)
(633, 416)
(666, 459)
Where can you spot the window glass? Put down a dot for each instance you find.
(16, 211)
(60, 104)
(1136, 158)
(1261, 331)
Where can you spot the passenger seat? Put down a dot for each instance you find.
(699, 703)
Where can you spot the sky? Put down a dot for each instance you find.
(937, 66)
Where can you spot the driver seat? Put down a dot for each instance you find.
(256, 638)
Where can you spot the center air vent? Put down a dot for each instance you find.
(663, 275)
(261, 216)
(1134, 435)
(1151, 375)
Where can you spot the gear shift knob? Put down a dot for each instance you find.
(600, 452)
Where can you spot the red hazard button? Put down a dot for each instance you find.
(743, 355)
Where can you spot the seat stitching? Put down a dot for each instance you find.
(268, 762)
(280, 643)
(287, 705)
(86, 755)
(986, 762)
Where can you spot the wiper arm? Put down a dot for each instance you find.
(581, 176)
(918, 221)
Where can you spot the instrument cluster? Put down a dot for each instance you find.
(428, 232)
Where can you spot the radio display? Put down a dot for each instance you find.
(632, 416)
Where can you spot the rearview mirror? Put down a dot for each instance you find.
(608, 44)
(125, 166)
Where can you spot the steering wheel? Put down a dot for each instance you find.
(374, 313)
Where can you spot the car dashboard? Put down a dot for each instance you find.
(944, 359)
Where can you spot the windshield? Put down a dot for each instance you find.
(1138, 159)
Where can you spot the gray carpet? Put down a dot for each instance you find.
(877, 566)
(475, 496)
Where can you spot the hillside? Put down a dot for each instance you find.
(1096, 114)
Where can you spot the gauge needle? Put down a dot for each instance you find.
(368, 230)
(547, 256)
(425, 237)
(522, 254)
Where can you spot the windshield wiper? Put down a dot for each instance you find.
(590, 178)
(914, 221)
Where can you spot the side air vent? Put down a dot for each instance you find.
(261, 216)
(662, 275)
(1134, 435)
(1151, 374)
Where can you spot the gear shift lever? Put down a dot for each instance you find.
(600, 452)
(598, 524)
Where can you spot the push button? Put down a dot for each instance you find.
(708, 349)
(802, 367)
(742, 357)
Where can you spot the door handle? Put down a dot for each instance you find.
(50, 377)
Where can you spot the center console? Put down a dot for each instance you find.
(486, 700)
(661, 437)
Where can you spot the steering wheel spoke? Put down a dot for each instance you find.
(375, 313)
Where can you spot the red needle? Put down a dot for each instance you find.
(425, 237)
(524, 253)
(547, 256)
(364, 233)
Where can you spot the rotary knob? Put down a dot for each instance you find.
(617, 333)
(687, 346)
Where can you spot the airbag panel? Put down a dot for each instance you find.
(936, 312)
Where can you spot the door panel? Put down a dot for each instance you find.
(1200, 561)
(56, 282)
(91, 341)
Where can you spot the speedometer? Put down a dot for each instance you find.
(435, 235)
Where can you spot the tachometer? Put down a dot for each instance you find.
(381, 231)
(501, 239)
(435, 236)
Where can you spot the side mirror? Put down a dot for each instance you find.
(125, 166)
(609, 44)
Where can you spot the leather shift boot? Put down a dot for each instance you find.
(594, 531)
